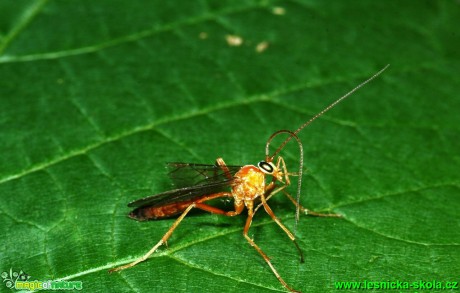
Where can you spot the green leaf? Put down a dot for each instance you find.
(96, 96)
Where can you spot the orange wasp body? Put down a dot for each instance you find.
(248, 185)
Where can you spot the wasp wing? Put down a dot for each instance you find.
(193, 181)
(188, 174)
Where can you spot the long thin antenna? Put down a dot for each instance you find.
(299, 174)
(322, 112)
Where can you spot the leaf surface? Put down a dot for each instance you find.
(96, 96)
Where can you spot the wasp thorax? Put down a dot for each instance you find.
(266, 167)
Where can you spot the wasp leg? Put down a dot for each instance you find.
(307, 211)
(264, 256)
(198, 204)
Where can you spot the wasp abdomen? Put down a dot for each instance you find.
(159, 212)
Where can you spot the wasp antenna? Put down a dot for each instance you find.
(324, 111)
(299, 181)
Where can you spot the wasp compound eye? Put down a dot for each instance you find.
(266, 167)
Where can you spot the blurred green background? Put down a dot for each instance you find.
(95, 96)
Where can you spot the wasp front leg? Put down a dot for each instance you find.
(260, 251)
(270, 191)
(281, 164)
(307, 211)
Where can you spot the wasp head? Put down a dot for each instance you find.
(270, 169)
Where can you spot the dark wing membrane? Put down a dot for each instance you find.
(188, 174)
(182, 194)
